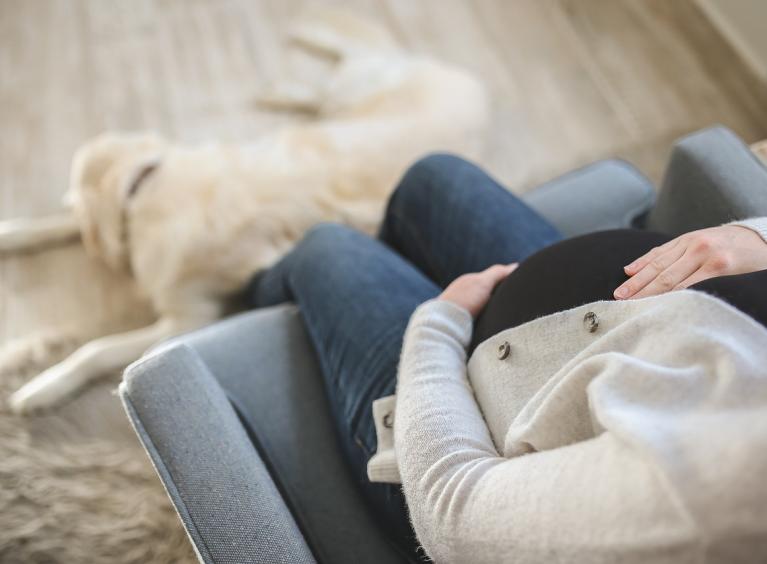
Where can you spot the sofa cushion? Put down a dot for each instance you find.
(608, 194)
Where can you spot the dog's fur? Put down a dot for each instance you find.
(192, 224)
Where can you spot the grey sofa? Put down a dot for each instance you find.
(235, 419)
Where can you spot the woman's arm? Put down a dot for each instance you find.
(593, 501)
(734, 248)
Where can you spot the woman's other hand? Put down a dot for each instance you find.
(472, 291)
(692, 257)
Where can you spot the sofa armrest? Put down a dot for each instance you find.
(264, 363)
(712, 178)
(608, 194)
(225, 497)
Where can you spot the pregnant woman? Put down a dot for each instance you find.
(596, 399)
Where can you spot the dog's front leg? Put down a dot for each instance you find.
(95, 358)
(30, 233)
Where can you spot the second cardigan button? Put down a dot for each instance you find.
(591, 321)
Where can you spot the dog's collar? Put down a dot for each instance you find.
(133, 189)
(145, 173)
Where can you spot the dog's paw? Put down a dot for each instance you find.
(289, 97)
(30, 354)
(45, 391)
(23, 402)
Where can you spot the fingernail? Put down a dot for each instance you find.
(621, 292)
(629, 266)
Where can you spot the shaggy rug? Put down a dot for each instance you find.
(75, 484)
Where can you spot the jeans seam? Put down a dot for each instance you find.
(361, 444)
(355, 422)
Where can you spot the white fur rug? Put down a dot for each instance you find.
(75, 485)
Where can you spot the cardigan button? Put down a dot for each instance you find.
(591, 321)
(504, 350)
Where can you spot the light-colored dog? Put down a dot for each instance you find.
(192, 224)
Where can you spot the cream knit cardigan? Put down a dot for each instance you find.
(644, 440)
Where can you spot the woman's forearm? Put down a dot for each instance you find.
(441, 439)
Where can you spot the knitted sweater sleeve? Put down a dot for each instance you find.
(758, 224)
(468, 503)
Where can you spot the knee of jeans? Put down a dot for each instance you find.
(427, 178)
(327, 238)
(325, 250)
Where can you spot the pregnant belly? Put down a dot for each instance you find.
(562, 276)
(589, 268)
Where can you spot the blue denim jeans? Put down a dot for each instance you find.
(446, 217)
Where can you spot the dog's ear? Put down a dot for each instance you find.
(90, 235)
(90, 166)
(91, 163)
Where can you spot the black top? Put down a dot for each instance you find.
(589, 268)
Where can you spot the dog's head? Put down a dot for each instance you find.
(105, 172)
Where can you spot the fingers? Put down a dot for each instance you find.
(673, 278)
(660, 274)
(698, 276)
(498, 272)
(646, 258)
(472, 291)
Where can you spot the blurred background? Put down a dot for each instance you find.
(572, 81)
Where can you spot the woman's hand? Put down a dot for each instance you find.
(692, 257)
(472, 291)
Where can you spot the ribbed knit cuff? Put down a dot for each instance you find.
(758, 224)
